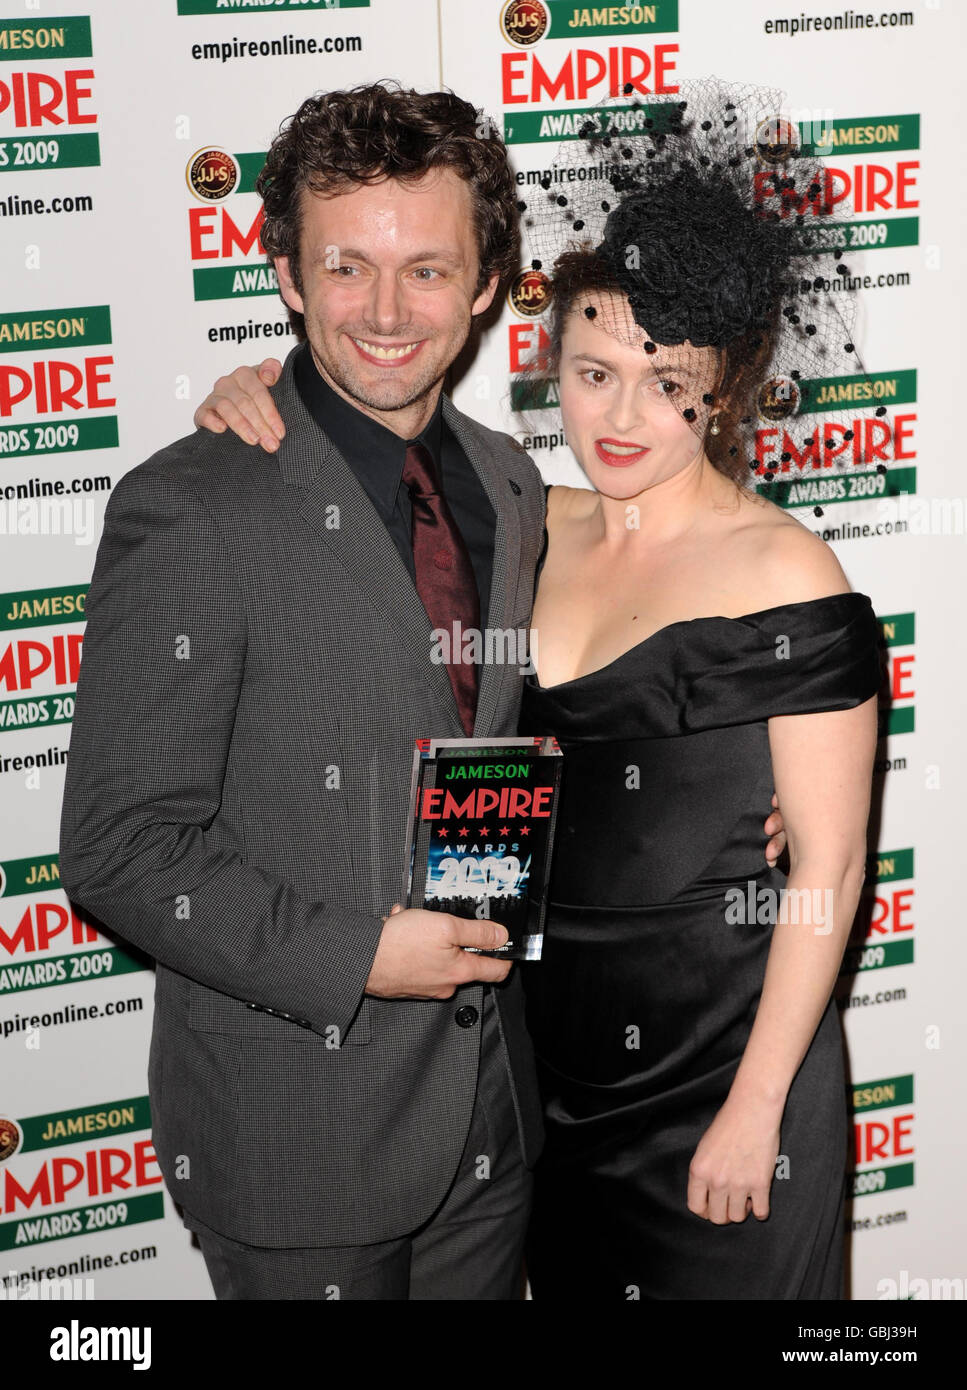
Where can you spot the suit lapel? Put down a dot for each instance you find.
(336, 506)
(309, 460)
(506, 569)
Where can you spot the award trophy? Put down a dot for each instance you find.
(482, 815)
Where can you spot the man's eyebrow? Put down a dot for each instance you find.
(353, 253)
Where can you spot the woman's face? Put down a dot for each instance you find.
(622, 407)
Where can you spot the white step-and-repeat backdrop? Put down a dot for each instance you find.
(130, 139)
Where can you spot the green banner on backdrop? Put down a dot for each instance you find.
(570, 20)
(897, 721)
(874, 234)
(872, 1180)
(889, 864)
(839, 487)
(533, 127)
(875, 388)
(861, 135)
(240, 7)
(100, 1216)
(41, 710)
(881, 1094)
(40, 607)
(877, 956)
(67, 970)
(29, 39)
(45, 328)
(72, 1126)
(23, 154)
(31, 875)
(249, 168)
(898, 629)
(95, 432)
(235, 281)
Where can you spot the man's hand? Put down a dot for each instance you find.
(420, 955)
(775, 827)
(242, 402)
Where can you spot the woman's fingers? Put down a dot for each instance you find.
(243, 403)
(697, 1198)
(759, 1201)
(270, 371)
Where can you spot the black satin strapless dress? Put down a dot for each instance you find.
(643, 1002)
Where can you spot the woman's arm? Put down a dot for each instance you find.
(823, 769)
(243, 403)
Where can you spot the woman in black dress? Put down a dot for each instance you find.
(696, 647)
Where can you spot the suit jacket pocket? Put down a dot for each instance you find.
(212, 1012)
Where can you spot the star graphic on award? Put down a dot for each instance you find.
(504, 830)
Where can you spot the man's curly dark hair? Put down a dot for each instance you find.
(341, 139)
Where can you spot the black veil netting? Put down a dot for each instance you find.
(713, 222)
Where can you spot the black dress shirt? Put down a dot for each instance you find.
(376, 455)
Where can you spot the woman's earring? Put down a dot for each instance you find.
(714, 427)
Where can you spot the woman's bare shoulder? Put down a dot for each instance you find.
(792, 563)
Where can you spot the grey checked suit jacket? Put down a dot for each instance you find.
(256, 668)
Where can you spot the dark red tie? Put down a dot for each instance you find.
(444, 574)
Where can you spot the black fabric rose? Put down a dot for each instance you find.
(694, 261)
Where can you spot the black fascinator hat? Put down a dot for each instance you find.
(704, 221)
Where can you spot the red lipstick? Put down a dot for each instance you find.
(607, 452)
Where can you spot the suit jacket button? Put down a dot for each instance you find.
(466, 1016)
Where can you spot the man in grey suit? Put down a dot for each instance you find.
(343, 1097)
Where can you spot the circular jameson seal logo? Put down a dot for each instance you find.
(9, 1139)
(211, 174)
(524, 22)
(777, 398)
(776, 139)
(530, 293)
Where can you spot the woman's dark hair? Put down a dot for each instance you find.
(362, 135)
(742, 362)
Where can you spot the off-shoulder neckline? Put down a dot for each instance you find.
(535, 681)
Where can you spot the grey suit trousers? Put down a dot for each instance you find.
(470, 1249)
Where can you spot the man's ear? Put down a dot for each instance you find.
(485, 297)
(290, 294)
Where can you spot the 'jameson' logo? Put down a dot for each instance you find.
(530, 293)
(811, 907)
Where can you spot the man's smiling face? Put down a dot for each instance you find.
(389, 275)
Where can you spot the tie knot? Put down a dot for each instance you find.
(419, 473)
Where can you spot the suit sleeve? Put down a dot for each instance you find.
(163, 660)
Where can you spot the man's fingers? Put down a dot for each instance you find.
(484, 935)
(487, 969)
